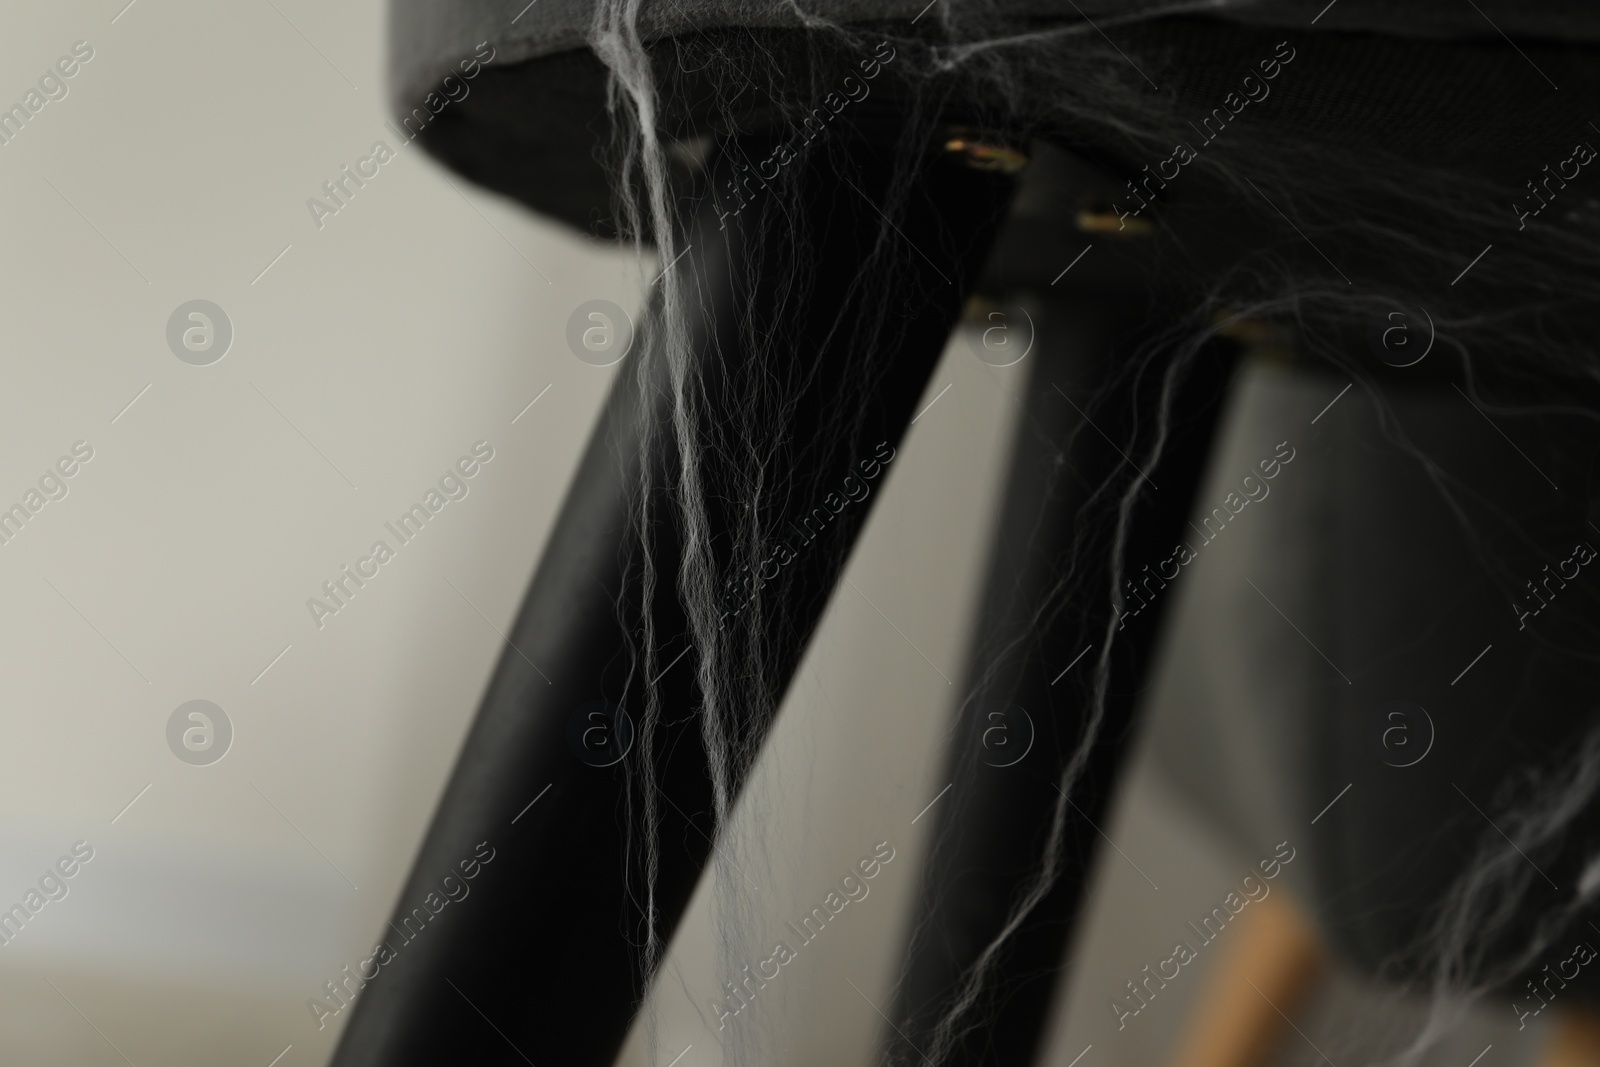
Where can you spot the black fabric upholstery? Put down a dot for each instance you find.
(533, 124)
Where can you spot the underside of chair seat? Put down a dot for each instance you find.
(532, 122)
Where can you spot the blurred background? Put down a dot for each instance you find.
(369, 351)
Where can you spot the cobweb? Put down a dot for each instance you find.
(1528, 345)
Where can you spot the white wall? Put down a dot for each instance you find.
(369, 357)
(179, 564)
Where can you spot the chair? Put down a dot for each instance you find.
(895, 197)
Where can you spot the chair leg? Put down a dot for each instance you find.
(1263, 979)
(544, 963)
(1047, 606)
(1576, 1042)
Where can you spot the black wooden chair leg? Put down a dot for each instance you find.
(1040, 637)
(541, 960)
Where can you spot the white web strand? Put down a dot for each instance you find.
(1384, 207)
